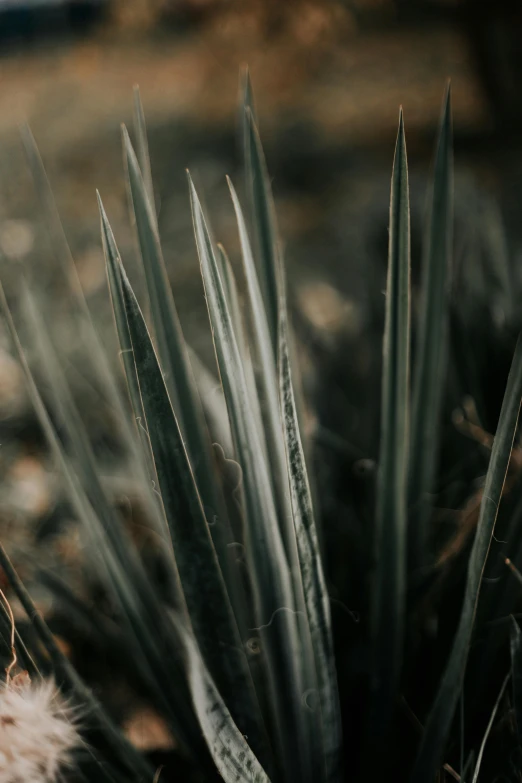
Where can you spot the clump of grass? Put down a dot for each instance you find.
(239, 654)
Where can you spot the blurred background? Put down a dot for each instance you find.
(329, 77)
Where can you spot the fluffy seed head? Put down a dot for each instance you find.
(37, 734)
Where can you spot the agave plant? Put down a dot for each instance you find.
(236, 649)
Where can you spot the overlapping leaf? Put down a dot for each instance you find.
(200, 574)
(316, 596)
(275, 608)
(430, 362)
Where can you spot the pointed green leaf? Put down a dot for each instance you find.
(431, 343)
(142, 146)
(201, 579)
(174, 360)
(170, 341)
(231, 292)
(390, 522)
(269, 393)
(267, 254)
(166, 324)
(122, 328)
(246, 94)
(268, 568)
(316, 597)
(265, 226)
(246, 105)
(213, 403)
(440, 717)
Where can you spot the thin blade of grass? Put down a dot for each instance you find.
(316, 596)
(391, 510)
(230, 751)
(273, 594)
(488, 729)
(200, 574)
(440, 717)
(516, 673)
(431, 343)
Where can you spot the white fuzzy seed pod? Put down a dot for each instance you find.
(37, 734)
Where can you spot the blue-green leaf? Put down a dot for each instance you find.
(277, 623)
(265, 226)
(316, 596)
(200, 574)
(269, 394)
(232, 754)
(391, 511)
(142, 146)
(430, 360)
(173, 355)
